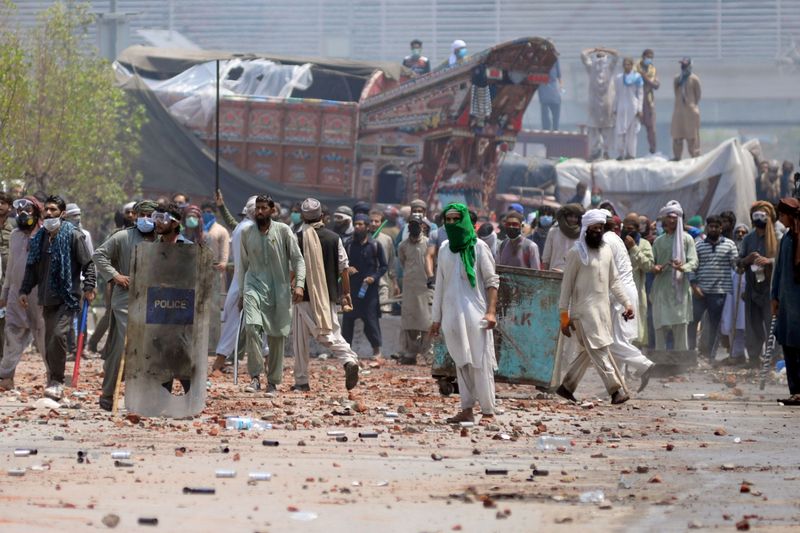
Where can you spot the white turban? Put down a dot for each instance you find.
(674, 209)
(458, 43)
(249, 209)
(590, 218)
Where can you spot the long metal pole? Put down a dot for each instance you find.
(216, 144)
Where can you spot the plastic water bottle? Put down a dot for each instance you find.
(592, 496)
(238, 423)
(363, 290)
(551, 443)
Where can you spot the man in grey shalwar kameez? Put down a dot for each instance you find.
(416, 309)
(600, 64)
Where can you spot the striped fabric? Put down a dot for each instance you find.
(713, 274)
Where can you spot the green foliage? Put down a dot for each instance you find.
(65, 127)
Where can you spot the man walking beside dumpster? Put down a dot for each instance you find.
(562, 237)
(57, 258)
(113, 259)
(269, 255)
(590, 278)
(464, 305)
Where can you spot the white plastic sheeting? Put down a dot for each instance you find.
(191, 95)
(723, 179)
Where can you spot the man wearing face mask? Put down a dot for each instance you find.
(416, 309)
(7, 225)
(418, 63)
(217, 236)
(193, 225)
(600, 64)
(544, 222)
(57, 258)
(516, 250)
(647, 70)
(22, 325)
(757, 257)
(628, 99)
(686, 114)
(296, 217)
(113, 259)
(640, 253)
(562, 237)
(458, 53)
(343, 223)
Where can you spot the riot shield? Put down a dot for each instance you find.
(171, 303)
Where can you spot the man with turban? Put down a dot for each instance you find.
(757, 257)
(590, 279)
(113, 260)
(640, 252)
(463, 311)
(315, 315)
(270, 259)
(786, 293)
(562, 236)
(675, 256)
(367, 267)
(22, 325)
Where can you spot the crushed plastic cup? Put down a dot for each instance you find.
(592, 496)
(546, 443)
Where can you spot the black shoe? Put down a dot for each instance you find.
(350, 376)
(566, 394)
(106, 404)
(619, 397)
(408, 360)
(272, 388)
(645, 378)
(300, 388)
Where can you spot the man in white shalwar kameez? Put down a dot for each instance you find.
(590, 278)
(464, 311)
(600, 64)
(624, 331)
(628, 98)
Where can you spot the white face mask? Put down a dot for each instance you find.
(51, 224)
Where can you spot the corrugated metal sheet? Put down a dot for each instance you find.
(712, 29)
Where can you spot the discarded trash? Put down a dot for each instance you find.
(303, 516)
(335, 433)
(391, 414)
(592, 496)
(551, 443)
(199, 490)
(20, 452)
(538, 472)
(123, 464)
(110, 520)
(223, 449)
(623, 483)
(46, 403)
(147, 521)
(699, 396)
(259, 476)
(341, 438)
(120, 455)
(39, 468)
(436, 457)
(466, 424)
(496, 471)
(381, 483)
(237, 422)
(269, 442)
(225, 473)
(368, 435)
(82, 456)
(737, 440)
(16, 472)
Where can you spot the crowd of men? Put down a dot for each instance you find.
(629, 284)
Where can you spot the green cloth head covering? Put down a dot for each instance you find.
(695, 222)
(462, 239)
(145, 206)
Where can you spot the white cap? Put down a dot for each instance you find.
(458, 43)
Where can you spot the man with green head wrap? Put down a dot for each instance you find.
(113, 262)
(464, 311)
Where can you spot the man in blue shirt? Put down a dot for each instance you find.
(550, 98)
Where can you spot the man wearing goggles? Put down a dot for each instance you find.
(168, 224)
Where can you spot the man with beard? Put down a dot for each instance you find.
(516, 250)
(786, 293)
(624, 331)
(230, 313)
(113, 259)
(728, 221)
(757, 257)
(343, 222)
(544, 221)
(57, 258)
(167, 219)
(711, 282)
(269, 256)
(388, 282)
(561, 237)
(640, 253)
(600, 64)
(416, 309)
(464, 305)
(675, 256)
(590, 279)
(367, 267)
(315, 316)
(22, 325)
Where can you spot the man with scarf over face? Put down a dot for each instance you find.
(315, 316)
(628, 100)
(113, 259)
(686, 113)
(757, 257)
(600, 64)
(516, 250)
(675, 256)
(786, 293)
(640, 252)
(416, 309)
(561, 237)
(22, 325)
(57, 257)
(463, 311)
(590, 279)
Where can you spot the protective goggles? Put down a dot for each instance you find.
(759, 215)
(22, 203)
(163, 217)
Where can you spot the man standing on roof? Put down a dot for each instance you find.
(600, 64)
(418, 63)
(628, 92)
(458, 53)
(647, 70)
(686, 114)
